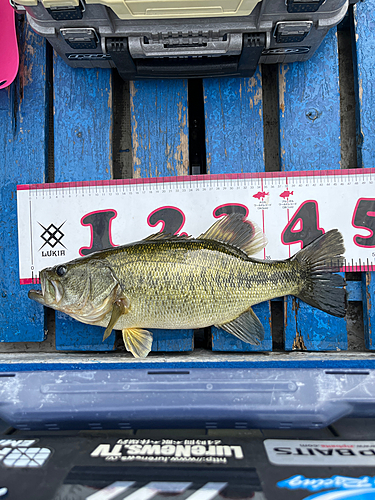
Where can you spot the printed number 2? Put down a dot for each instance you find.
(171, 218)
(207, 492)
(364, 217)
(304, 225)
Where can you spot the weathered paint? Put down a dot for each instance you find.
(23, 160)
(310, 140)
(83, 151)
(159, 128)
(364, 18)
(234, 143)
(160, 147)
(234, 124)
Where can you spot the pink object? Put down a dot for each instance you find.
(9, 57)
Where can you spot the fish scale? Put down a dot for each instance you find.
(195, 283)
(177, 282)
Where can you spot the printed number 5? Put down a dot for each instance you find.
(207, 492)
(364, 217)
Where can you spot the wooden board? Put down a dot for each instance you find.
(364, 17)
(310, 140)
(82, 151)
(23, 146)
(234, 143)
(159, 123)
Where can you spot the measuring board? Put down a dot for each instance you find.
(62, 221)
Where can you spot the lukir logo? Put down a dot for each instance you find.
(342, 487)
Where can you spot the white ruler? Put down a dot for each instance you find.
(60, 222)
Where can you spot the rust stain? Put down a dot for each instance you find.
(135, 140)
(258, 96)
(360, 91)
(137, 173)
(208, 160)
(182, 151)
(29, 50)
(252, 83)
(282, 86)
(109, 102)
(285, 314)
(298, 343)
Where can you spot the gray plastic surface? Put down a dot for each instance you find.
(187, 41)
(191, 398)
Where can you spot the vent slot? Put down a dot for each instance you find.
(168, 372)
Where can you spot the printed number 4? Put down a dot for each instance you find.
(207, 492)
(303, 227)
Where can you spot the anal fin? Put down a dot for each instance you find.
(246, 327)
(137, 341)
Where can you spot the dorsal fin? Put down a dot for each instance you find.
(166, 236)
(234, 230)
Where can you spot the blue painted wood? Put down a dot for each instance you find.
(83, 151)
(354, 289)
(160, 148)
(234, 124)
(364, 18)
(234, 144)
(310, 140)
(224, 341)
(22, 154)
(368, 299)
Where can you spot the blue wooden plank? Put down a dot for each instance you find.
(22, 153)
(83, 151)
(310, 140)
(160, 148)
(364, 18)
(234, 143)
(368, 300)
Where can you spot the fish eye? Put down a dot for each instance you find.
(61, 270)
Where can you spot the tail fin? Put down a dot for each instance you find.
(319, 260)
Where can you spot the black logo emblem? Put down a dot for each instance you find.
(52, 235)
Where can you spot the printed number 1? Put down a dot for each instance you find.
(207, 492)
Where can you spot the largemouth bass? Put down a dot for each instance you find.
(179, 282)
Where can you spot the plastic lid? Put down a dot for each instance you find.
(9, 56)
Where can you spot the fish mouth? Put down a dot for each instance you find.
(36, 295)
(50, 294)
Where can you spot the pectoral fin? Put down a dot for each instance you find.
(246, 327)
(120, 307)
(137, 341)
